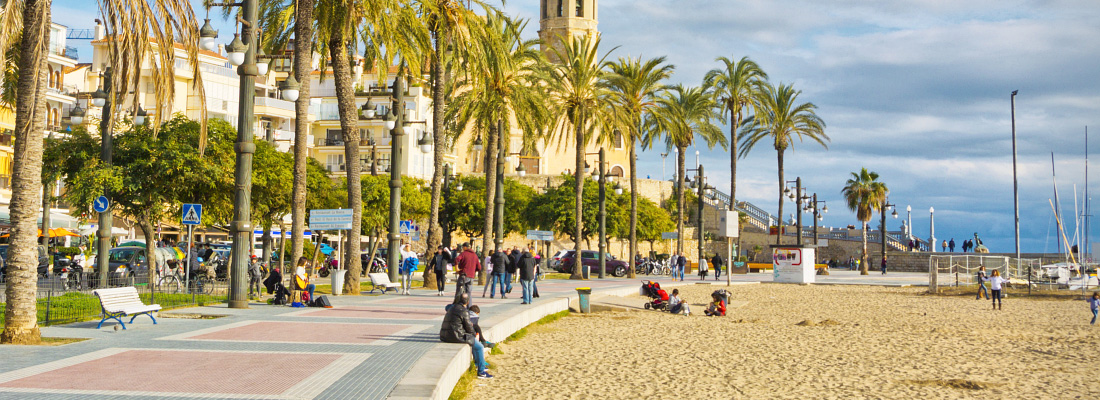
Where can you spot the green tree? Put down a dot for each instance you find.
(781, 120)
(466, 207)
(636, 84)
(555, 211)
(272, 189)
(579, 106)
(864, 193)
(682, 114)
(652, 221)
(737, 86)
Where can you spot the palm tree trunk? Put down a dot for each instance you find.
(578, 192)
(303, 67)
(633, 210)
(680, 157)
(20, 310)
(349, 124)
(863, 257)
(491, 153)
(779, 224)
(435, 234)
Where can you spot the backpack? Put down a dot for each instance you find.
(722, 294)
(321, 301)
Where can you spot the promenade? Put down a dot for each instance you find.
(366, 347)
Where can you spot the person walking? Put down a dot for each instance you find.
(468, 265)
(951, 245)
(500, 262)
(980, 277)
(527, 264)
(884, 265)
(438, 264)
(681, 262)
(409, 262)
(851, 263)
(716, 262)
(1094, 306)
(703, 268)
(995, 282)
(511, 268)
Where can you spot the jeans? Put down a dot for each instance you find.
(508, 280)
(441, 280)
(1093, 316)
(535, 288)
(496, 279)
(528, 289)
(310, 288)
(982, 289)
(479, 355)
(717, 272)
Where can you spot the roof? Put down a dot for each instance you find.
(177, 45)
(75, 68)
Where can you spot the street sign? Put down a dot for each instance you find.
(540, 235)
(407, 227)
(669, 235)
(101, 204)
(192, 214)
(330, 220)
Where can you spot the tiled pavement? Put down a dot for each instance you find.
(361, 349)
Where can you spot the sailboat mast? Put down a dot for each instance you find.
(1088, 212)
(1057, 203)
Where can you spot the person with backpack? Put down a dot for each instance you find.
(409, 263)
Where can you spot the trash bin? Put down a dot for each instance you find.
(586, 271)
(583, 293)
(338, 282)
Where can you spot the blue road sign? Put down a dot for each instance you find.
(101, 204)
(192, 214)
(407, 227)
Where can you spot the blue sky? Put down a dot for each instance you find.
(916, 90)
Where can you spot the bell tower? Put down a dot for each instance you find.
(565, 18)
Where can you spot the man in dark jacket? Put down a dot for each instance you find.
(527, 275)
(467, 265)
(513, 266)
(457, 328)
(716, 263)
(438, 264)
(500, 265)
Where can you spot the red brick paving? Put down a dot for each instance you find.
(183, 371)
(375, 312)
(270, 331)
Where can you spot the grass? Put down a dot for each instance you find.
(78, 307)
(57, 341)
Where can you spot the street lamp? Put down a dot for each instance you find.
(601, 177)
(909, 222)
(818, 210)
(1016, 186)
(932, 228)
(237, 50)
(448, 178)
(395, 122)
(289, 88)
(797, 196)
(425, 143)
(882, 212)
(700, 184)
(207, 35)
(103, 245)
(139, 119)
(76, 115)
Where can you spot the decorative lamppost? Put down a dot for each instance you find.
(932, 229)
(102, 99)
(818, 211)
(882, 212)
(395, 122)
(797, 196)
(448, 178)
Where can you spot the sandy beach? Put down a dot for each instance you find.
(809, 342)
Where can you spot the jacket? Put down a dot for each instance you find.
(468, 263)
(500, 262)
(526, 266)
(457, 327)
(716, 261)
(439, 261)
(513, 261)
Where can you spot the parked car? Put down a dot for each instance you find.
(43, 259)
(590, 258)
(555, 260)
(126, 261)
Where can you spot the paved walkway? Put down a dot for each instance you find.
(367, 347)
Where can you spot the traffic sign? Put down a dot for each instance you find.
(407, 227)
(101, 204)
(192, 214)
(330, 220)
(540, 235)
(669, 235)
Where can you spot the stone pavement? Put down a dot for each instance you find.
(367, 347)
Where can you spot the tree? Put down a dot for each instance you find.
(498, 92)
(555, 211)
(864, 193)
(466, 207)
(579, 106)
(781, 120)
(681, 114)
(635, 85)
(272, 189)
(652, 221)
(737, 86)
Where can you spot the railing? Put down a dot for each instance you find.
(5, 181)
(757, 216)
(274, 103)
(284, 135)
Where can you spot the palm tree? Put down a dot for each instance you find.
(863, 193)
(683, 113)
(498, 88)
(781, 120)
(737, 86)
(27, 22)
(635, 85)
(579, 106)
(386, 28)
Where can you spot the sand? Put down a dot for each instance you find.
(810, 342)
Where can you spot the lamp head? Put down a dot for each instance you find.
(825, 209)
(236, 50)
(289, 88)
(477, 144)
(894, 214)
(521, 170)
(459, 186)
(261, 63)
(207, 35)
(76, 115)
(391, 120)
(425, 143)
(141, 116)
(99, 97)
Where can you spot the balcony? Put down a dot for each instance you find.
(6, 138)
(284, 135)
(274, 103)
(334, 167)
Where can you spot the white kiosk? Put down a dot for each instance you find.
(793, 263)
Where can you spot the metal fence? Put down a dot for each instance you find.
(62, 302)
(956, 270)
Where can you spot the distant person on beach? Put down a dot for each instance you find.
(1094, 306)
(716, 307)
(716, 262)
(884, 265)
(457, 328)
(951, 245)
(703, 269)
(980, 277)
(681, 264)
(910, 244)
(995, 283)
(676, 305)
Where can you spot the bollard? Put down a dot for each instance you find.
(585, 271)
(583, 293)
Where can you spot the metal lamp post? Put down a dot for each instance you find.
(102, 98)
(601, 177)
(396, 122)
(498, 202)
(797, 197)
(909, 222)
(818, 210)
(932, 228)
(1015, 184)
(882, 233)
(448, 178)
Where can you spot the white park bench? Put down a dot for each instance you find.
(382, 282)
(121, 302)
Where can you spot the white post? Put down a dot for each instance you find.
(932, 229)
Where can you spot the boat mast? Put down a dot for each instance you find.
(1057, 203)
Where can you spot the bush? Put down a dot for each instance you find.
(68, 251)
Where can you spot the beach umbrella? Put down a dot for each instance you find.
(58, 232)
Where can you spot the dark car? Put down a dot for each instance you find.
(43, 259)
(126, 261)
(591, 259)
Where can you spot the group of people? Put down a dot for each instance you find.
(678, 264)
(677, 305)
(506, 266)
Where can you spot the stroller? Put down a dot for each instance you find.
(659, 298)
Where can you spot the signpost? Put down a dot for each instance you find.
(669, 235)
(101, 204)
(333, 220)
(540, 235)
(191, 216)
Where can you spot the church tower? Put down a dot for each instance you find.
(565, 18)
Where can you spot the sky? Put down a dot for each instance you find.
(917, 91)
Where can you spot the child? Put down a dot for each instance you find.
(716, 307)
(1094, 305)
(677, 305)
(981, 284)
(995, 282)
(474, 312)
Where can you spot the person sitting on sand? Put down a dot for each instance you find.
(677, 305)
(716, 308)
(995, 283)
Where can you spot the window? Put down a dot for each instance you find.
(618, 140)
(588, 254)
(561, 8)
(580, 8)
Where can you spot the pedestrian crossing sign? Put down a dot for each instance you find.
(192, 214)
